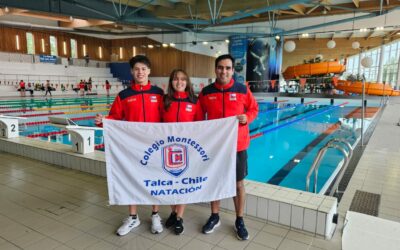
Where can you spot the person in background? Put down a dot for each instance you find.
(180, 105)
(108, 87)
(225, 98)
(48, 88)
(30, 88)
(142, 102)
(22, 88)
(82, 88)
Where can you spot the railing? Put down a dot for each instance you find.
(28, 58)
(13, 79)
(317, 162)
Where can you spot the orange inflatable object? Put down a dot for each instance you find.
(370, 88)
(313, 69)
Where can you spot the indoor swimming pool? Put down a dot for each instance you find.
(285, 137)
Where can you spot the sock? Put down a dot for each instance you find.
(134, 216)
(238, 218)
(153, 213)
(215, 215)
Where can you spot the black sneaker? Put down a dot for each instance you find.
(212, 223)
(178, 227)
(171, 220)
(241, 231)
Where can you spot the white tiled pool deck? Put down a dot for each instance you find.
(43, 206)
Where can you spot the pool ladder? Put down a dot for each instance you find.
(316, 164)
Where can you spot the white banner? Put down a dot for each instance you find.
(170, 163)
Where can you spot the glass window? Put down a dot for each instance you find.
(53, 46)
(74, 49)
(30, 43)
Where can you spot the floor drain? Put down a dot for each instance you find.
(366, 203)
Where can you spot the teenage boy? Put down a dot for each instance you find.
(142, 102)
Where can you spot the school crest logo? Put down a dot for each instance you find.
(175, 159)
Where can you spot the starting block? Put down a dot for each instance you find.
(9, 127)
(82, 138)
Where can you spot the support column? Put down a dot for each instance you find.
(359, 63)
(380, 64)
(398, 76)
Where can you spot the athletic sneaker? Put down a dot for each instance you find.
(171, 220)
(156, 226)
(178, 227)
(211, 224)
(128, 224)
(241, 231)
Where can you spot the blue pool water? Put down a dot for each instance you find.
(287, 136)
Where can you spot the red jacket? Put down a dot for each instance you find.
(182, 109)
(219, 101)
(138, 104)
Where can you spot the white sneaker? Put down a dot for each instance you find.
(128, 224)
(156, 226)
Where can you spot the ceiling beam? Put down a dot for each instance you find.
(161, 3)
(136, 4)
(351, 36)
(391, 33)
(80, 23)
(369, 35)
(312, 9)
(287, 12)
(43, 16)
(262, 10)
(299, 8)
(288, 32)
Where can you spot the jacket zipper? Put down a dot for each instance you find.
(223, 103)
(177, 113)
(144, 111)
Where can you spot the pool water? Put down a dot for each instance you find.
(286, 137)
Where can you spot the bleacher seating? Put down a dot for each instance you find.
(15, 67)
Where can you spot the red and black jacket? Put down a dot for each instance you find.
(138, 104)
(182, 109)
(219, 101)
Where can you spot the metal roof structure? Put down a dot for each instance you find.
(219, 17)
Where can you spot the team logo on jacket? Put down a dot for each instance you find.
(189, 107)
(153, 98)
(175, 159)
(232, 97)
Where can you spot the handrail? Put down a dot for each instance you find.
(321, 153)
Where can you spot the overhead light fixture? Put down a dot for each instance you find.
(304, 35)
(277, 37)
(363, 30)
(379, 28)
(150, 46)
(71, 18)
(205, 42)
(165, 45)
(6, 9)
(227, 40)
(172, 44)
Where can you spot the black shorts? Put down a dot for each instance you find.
(241, 165)
(22, 88)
